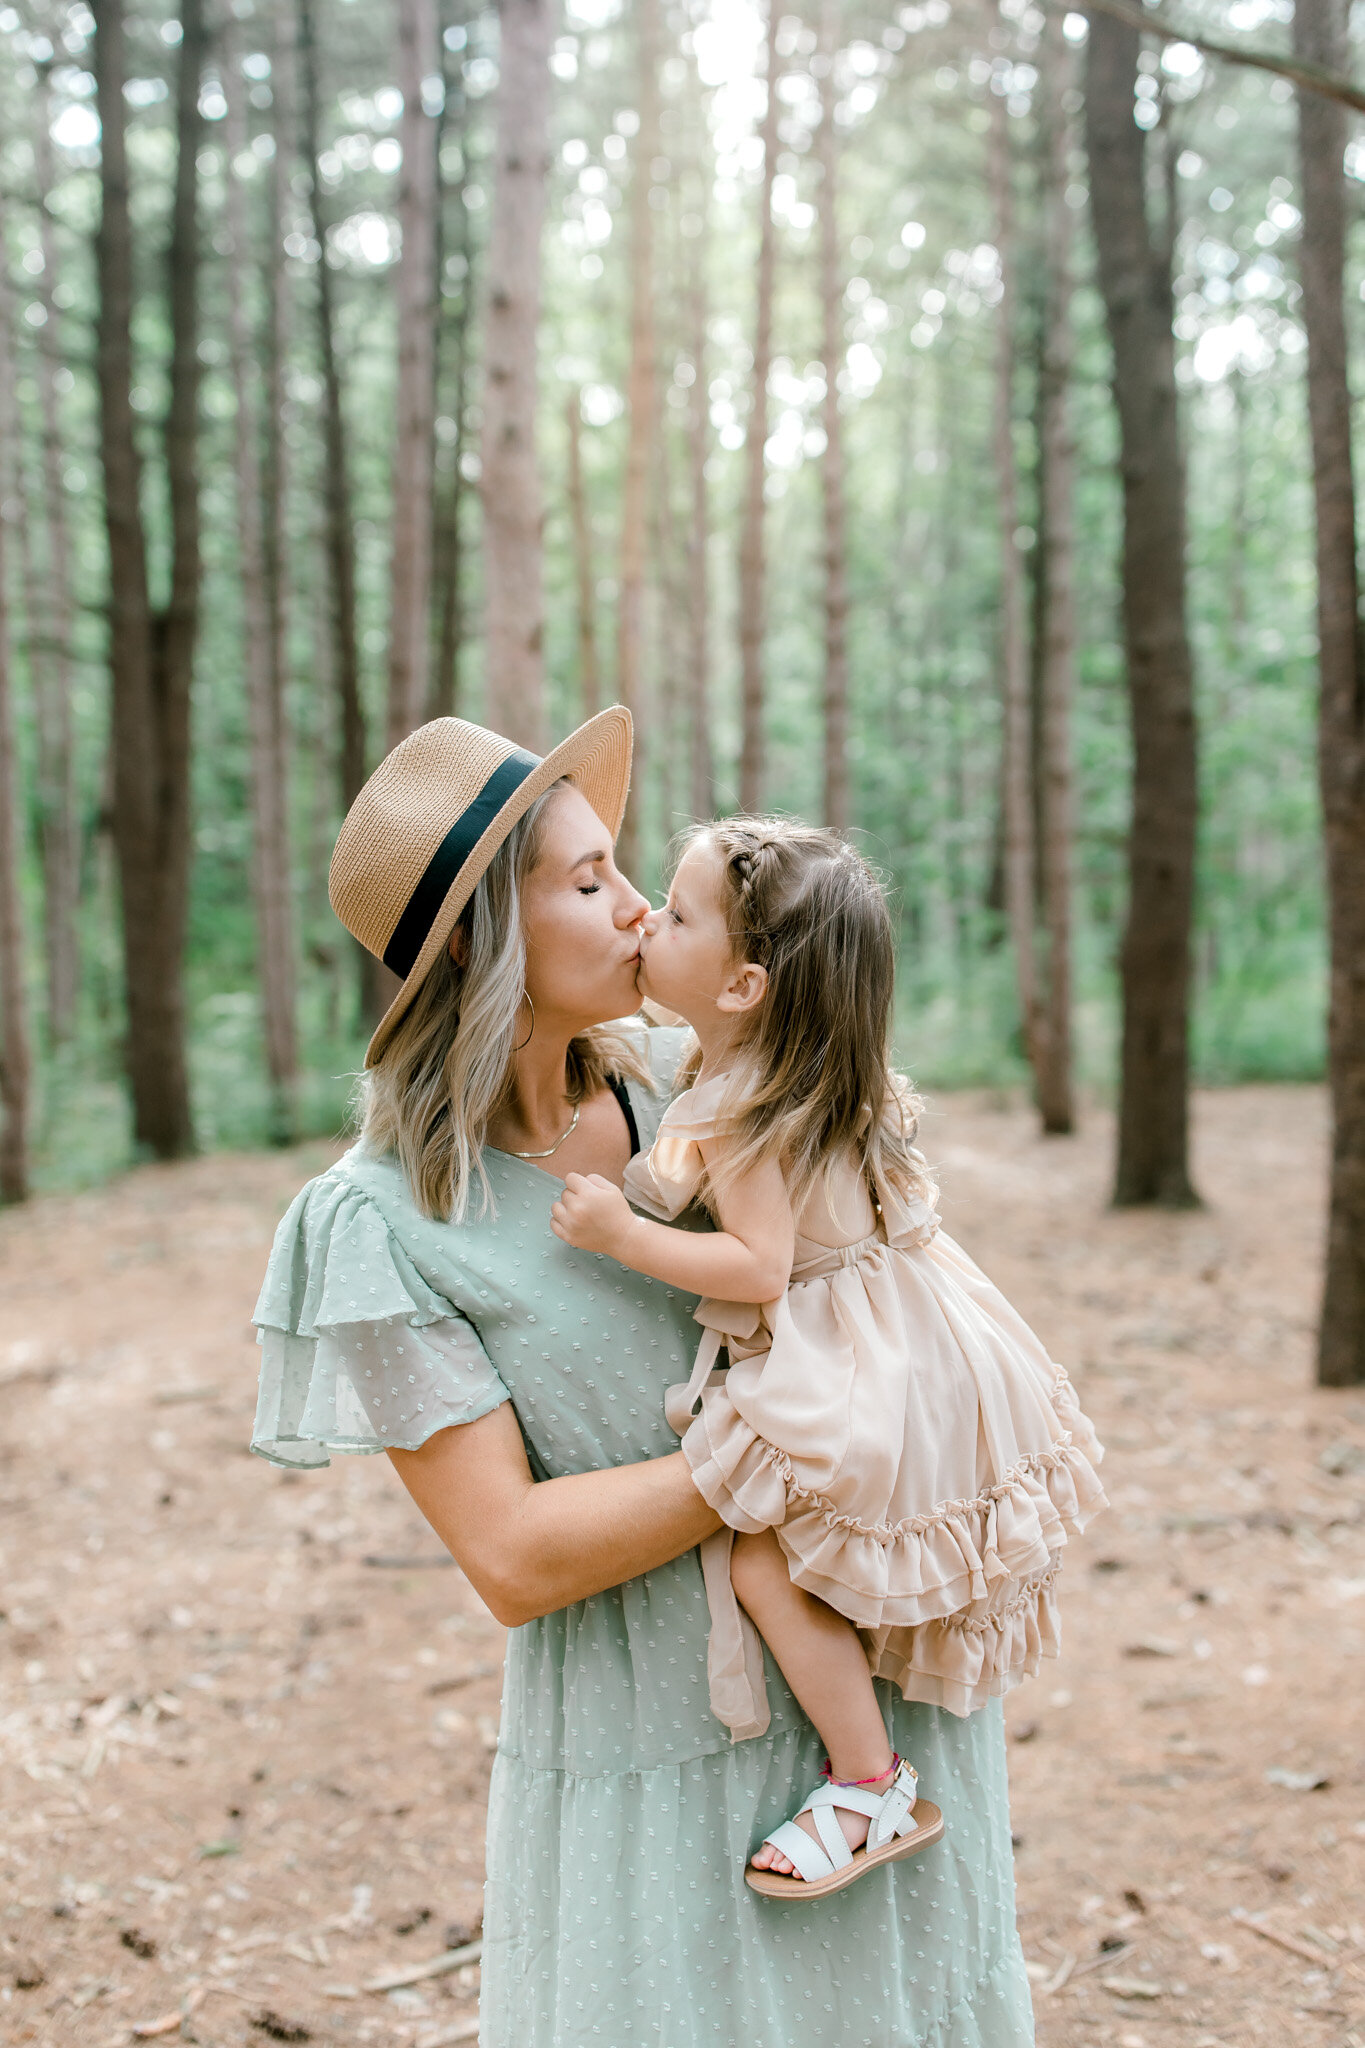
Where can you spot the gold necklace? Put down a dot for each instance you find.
(549, 1149)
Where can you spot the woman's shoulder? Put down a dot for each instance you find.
(339, 1251)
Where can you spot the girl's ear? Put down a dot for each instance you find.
(745, 989)
(458, 948)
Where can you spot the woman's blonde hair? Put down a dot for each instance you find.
(448, 1066)
(812, 1080)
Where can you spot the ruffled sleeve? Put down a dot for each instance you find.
(358, 1353)
(665, 1179)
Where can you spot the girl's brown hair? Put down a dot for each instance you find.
(813, 1079)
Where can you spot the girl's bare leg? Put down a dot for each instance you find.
(821, 1658)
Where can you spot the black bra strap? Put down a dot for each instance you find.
(618, 1089)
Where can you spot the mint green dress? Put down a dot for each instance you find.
(620, 1814)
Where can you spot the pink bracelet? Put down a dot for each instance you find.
(862, 1783)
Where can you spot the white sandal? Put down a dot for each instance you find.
(901, 1826)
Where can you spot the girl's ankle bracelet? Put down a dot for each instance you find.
(863, 1784)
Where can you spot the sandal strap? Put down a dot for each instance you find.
(897, 1815)
(796, 1845)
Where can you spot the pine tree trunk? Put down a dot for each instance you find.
(640, 419)
(753, 603)
(1017, 719)
(1320, 36)
(513, 564)
(338, 516)
(589, 679)
(151, 653)
(1057, 592)
(836, 796)
(701, 770)
(50, 649)
(271, 878)
(1135, 279)
(411, 518)
(274, 465)
(452, 371)
(15, 1063)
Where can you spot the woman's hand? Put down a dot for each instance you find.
(529, 1548)
(592, 1215)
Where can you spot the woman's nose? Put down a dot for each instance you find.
(632, 906)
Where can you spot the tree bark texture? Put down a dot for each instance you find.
(452, 376)
(338, 515)
(15, 1059)
(268, 783)
(1057, 591)
(1016, 695)
(640, 416)
(701, 794)
(513, 562)
(50, 648)
(151, 652)
(415, 292)
(836, 792)
(589, 678)
(1320, 38)
(753, 603)
(1135, 280)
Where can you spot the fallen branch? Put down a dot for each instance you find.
(463, 2030)
(169, 2022)
(437, 1966)
(1153, 21)
(1287, 1941)
(1105, 1959)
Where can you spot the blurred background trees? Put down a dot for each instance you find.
(904, 408)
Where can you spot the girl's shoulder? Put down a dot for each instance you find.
(699, 1112)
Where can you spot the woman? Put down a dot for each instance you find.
(418, 1302)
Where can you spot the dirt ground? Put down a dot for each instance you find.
(246, 1716)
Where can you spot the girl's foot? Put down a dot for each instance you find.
(853, 1825)
(899, 1824)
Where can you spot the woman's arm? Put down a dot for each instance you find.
(530, 1547)
(748, 1259)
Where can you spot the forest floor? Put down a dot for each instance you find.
(246, 1718)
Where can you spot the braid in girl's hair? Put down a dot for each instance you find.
(812, 1075)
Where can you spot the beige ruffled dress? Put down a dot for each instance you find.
(920, 1457)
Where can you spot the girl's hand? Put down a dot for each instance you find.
(592, 1214)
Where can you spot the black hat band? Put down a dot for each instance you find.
(410, 932)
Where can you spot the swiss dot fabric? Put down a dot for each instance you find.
(370, 1387)
(620, 1814)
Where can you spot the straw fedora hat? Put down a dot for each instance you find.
(431, 817)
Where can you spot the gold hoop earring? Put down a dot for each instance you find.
(532, 1032)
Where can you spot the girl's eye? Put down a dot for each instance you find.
(674, 915)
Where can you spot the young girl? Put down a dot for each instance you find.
(896, 1459)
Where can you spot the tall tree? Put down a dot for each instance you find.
(1320, 38)
(50, 649)
(151, 650)
(415, 294)
(832, 467)
(752, 563)
(454, 252)
(338, 510)
(268, 781)
(1056, 654)
(513, 573)
(701, 767)
(640, 411)
(14, 1036)
(275, 357)
(1135, 279)
(580, 524)
(1016, 705)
